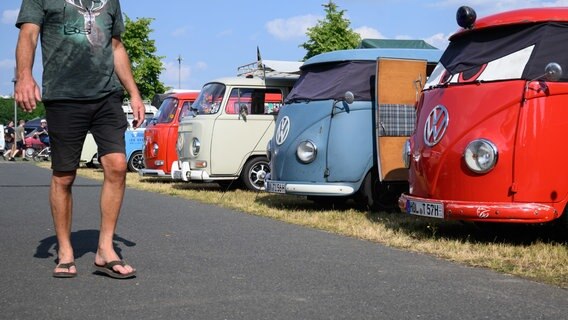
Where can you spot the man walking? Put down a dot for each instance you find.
(84, 65)
(20, 141)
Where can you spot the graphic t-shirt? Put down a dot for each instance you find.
(76, 43)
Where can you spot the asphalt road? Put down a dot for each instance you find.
(198, 261)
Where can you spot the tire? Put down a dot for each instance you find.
(30, 152)
(366, 195)
(374, 195)
(136, 161)
(254, 172)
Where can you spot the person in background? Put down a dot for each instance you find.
(20, 146)
(85, 72)
(42, 133)
(9, 136)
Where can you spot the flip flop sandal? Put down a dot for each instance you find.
(109, 271)
(65, 274)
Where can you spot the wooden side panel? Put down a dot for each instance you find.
(398, 83)
(392, 166)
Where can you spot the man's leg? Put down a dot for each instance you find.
(61, 200)
(112, 194)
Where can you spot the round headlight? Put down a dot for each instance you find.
(195, 146)
(307, 151)
(480, 156)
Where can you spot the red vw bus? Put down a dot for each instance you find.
(161, 134)
(492, 122)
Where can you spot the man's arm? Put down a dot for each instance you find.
(27, 91)
(124, 73)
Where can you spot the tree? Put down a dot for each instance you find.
(331, 33)
(146, 66)
(7, 111)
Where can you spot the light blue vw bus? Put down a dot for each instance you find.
(343, 128)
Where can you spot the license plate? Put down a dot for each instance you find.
(276, 187)
(425, 208)
(177, 175)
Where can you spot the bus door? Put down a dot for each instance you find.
(398, 86)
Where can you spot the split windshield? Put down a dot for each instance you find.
(503, 53)
(327, 81)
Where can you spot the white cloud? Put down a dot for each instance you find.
(173, 73)
(369, 33)
(200, 65)
(439, 40)
(180, 32)
(291, 28)
(10, 16)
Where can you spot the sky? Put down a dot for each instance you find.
(214, 37)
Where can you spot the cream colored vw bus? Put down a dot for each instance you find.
(225, 136)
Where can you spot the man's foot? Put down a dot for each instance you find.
(11, 159)
(25, 159)
(65, 270)
(111, 269)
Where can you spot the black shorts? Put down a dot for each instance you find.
(70, 121)
(20, 145)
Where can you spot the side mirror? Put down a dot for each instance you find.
(552, 72)
(349, 97)
(194, 111)
(243, 111)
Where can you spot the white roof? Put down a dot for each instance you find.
(282, 66)
(270, 69)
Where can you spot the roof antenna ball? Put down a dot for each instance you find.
(466, 17)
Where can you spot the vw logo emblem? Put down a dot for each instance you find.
(282, 130)
(436, 125)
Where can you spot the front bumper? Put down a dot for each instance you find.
(307, 188)
(153, 173)
(510, 212)
(181, 171)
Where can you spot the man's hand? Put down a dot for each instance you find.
(27, 93)
(138, 111)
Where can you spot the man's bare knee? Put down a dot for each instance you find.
(64, 179)
(114, 164)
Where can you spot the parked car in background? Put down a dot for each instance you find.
(343, 127)
(491, 125)
(224, 138)
(161, 134)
